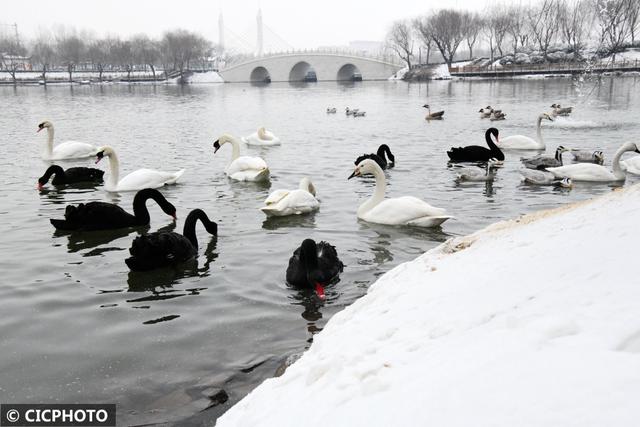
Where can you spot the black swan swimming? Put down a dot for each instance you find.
(379, 157)
(476, 153)
(164, 248)
(313, 266)
(106, 216)
(70, 176)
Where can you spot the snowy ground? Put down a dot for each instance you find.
(61, 77)
(530, 322)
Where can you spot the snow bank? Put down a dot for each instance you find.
(208, 77)
(441, 72)
(528, 322)
(399, 75)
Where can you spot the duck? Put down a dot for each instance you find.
(167, 248)
(331, 110)
(478, 174)
(596, 173)
(561, 111)
(436, 115)
(262, 137)
(380, 157)
(587, 156)
(349, 111)
(136, 180)
(359, 113)
(521, 142)
(70, 175)
(292, 202)
(541, 177)
(405, 210)
(476, 153)
(242, 168)
(497, 115)
(485, 112)
(108, 216)
(632, 165)
(65, 150)
(543, 162)
(314, 266)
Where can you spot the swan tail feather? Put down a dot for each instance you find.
(176, 176)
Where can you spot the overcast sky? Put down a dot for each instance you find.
(301, 23)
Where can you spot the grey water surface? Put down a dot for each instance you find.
(77, 327)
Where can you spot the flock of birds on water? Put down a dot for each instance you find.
(312, 265)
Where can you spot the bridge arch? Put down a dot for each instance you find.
(299, 71)
(260, 75)
(347, 71)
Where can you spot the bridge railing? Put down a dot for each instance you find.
(239, 59)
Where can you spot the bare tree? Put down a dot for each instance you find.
(447, 30)
(400, 40)
(543, 23)
(490, 36)
(575, 20)
(517, 27)
(146, 51)
(43, 54)
(613, 25)
(498, 18)
(11, 54)
(180, 47)
(70, 50)
(472, 24)
(421, 25)
(633, 18)
(100, 54)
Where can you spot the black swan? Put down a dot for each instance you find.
(106, 216)
(70, 176)
(379, 157)
(476, 153)
(164, 248)
(313, 266)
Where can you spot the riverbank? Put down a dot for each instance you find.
(91, 77)
(527, 322)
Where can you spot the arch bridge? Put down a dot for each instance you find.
(310, 66)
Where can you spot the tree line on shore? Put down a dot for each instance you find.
(608, 26)
(71, 50)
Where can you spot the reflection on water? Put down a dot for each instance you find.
(169, 345)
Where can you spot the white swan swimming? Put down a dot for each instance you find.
(262, 137)
(292, 202)
(632, 165)
(405, 210)
(136, 180)
(521, 142)
(596, 173)
(242, 168)
(65, 150)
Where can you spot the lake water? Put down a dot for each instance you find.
(76, 326)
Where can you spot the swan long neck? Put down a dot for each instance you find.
(378, 194)
(235, 144)
(307, 185)
(114, 168)
(189, 230)
(49, 148)
(140, 210)
(52, 170)
(618, 172)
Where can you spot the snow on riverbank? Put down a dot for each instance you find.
(528, 322)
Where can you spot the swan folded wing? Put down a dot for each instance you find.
(631, 165)
(296, 202)
(159, 249)
(328, 262)
(583, 172)
(402, 210)
(245, 164)
(73, 149)
(147, 178)
(276, 196)
(519, 142)
(88, 215)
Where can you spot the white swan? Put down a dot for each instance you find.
(292, 202)
(136, 180)
(262, 137)
(521, 142)
(65, 150)
(242, 168)
(596, 173)
(632, 165)
(405, 210)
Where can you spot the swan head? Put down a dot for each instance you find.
(103, 152)
(44, 125)
(367, 166)
(631, 146)
(221, 141)
(307, 185)
(309, 260)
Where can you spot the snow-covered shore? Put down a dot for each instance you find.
(528, 322)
